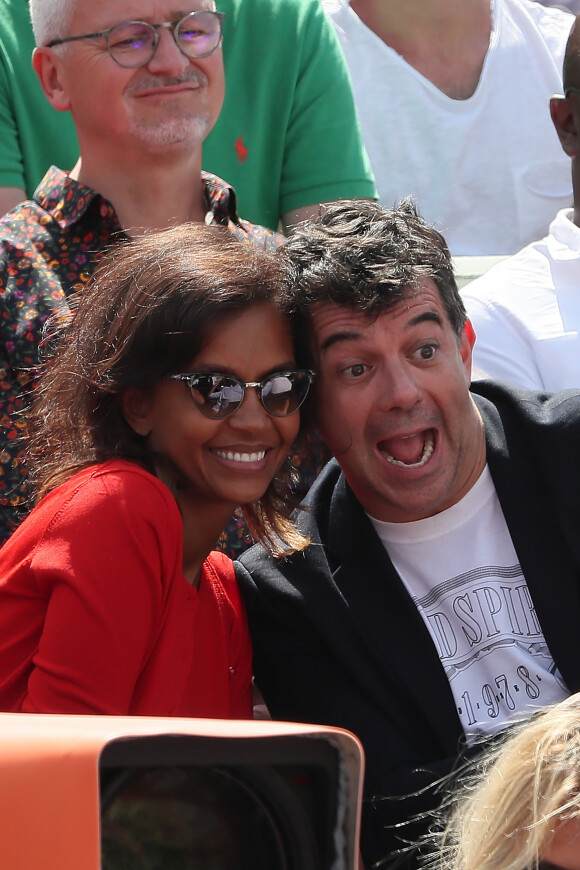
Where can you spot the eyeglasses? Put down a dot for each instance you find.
(134, 43)
(218, 396)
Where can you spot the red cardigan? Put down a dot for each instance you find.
(97, 617)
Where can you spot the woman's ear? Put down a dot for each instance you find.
(137, 406)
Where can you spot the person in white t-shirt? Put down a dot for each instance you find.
(452, 102)
(526, 309)
(439, 597)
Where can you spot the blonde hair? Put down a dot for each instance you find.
(504, 816)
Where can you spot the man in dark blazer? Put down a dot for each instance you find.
(438, 597)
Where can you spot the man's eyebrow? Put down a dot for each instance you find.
(425, 317)
(339, 336)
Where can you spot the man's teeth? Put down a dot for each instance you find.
(241, 457)
(428, 447)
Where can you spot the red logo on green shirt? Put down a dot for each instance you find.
(241, 150)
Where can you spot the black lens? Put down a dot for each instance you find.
(283, 393)
(180, 819)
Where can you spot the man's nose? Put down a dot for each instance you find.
(168, 57)
(399, 387)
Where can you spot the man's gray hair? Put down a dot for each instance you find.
(51, 19)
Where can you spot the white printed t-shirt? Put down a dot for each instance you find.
(464, 577)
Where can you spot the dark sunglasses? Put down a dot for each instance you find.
(218, 395)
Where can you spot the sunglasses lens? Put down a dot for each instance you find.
(284, 393)
(216, 396)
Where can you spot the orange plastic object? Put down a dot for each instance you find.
(49, 780)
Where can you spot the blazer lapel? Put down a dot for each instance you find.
(394, 647)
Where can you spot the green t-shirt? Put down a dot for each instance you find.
(32, 134)
(287, 135)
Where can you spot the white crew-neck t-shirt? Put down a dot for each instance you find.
(462, 572)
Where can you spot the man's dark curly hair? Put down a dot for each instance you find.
(359, 254)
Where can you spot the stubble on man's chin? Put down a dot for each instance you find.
(176, 124)
(173, 131)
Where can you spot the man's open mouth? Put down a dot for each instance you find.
(409, 451)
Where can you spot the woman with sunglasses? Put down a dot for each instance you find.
(173, 398)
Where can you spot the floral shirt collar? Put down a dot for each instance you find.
(67, 200)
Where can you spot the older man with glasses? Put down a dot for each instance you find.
(145, 87)
(286, 138)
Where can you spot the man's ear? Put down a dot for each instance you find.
(565, 122)
(49, 68)
(469, 333)
(137, 405)
(466, 343)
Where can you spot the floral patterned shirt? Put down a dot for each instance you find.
(49, 246)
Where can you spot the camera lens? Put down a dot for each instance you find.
(187, 819)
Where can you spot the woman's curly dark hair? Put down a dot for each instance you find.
(147, 311)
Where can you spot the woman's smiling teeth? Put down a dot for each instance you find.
(241, 457)
(428, 447)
